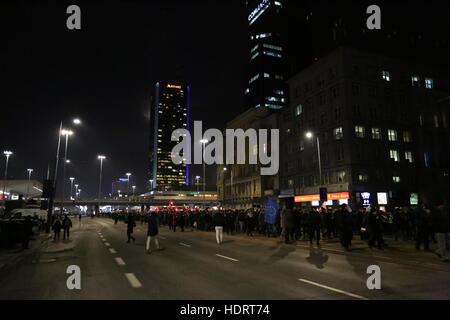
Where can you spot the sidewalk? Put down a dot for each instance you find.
(12, 256)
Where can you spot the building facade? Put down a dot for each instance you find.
(369, 128)
(242, 186)
(170, 110)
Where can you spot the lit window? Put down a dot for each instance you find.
(269, 46)
(273, 106)
(363, 177)
(407, 137)
(429, 83)
(340, 176)
(247, 90)
(298, 110)
(337, 133)
(266, 75)
(278, 77)
(376, 133)
(276, 99)
(359, 131)
(254, 48)
(254, 56)
(394, 155)
(436, 121)
(392, 135)
(254, 78)
(272, 54)
(280, 92)
(386, 76)
(396, 179)
(409, 156)
(415, 81)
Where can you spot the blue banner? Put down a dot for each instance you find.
(271, 209)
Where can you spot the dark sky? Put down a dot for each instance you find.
(104, 74)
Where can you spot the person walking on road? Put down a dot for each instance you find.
(152, 231)
(345, 224)
(314, 221)
(130, 226)
(375, 229)
(441, 226)
(286, 222)
(57, 225)
(423, 223)
(219, 222)
(66, 224)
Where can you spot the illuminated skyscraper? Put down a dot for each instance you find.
(169, 111)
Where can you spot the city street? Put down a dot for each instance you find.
(193, 266)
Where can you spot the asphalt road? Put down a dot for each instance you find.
(192, 266)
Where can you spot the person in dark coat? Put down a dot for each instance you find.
(375, 229)
(57, 225)
(152, 231)
(423, 223)
(27, 232)
(313, 222)
(66, 224)
(130, 226)
(345, 225)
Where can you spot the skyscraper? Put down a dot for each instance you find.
(169, 111)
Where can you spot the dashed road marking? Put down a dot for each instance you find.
(184, 244)
(134, 282)
(120, 261)
(225, 257)
(112, 251)
(334, 289)
(107, 244)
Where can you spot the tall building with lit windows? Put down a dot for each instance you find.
(170, 110)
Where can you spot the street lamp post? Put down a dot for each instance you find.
(151, 184)
(197, 178)
(7, 155)
(66, 133)
(128, 182)
(204, 142)
(101, 158)
(134, 189)
(309, 135)
(71, 186)
(76, 191)
(29, 180)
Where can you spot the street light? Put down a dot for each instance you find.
(71, 186)
(7, 153)
(204, 142)
(128, 182)
(66, 133)
(134, 188)
(151, 184)
(310, 135)
(29, 179)
(101, 158)
(76, 121)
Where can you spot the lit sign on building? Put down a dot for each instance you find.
(172, 86)
(382, 198)
(316, 197)
(414, 199)
(366, 198)
(258, 11)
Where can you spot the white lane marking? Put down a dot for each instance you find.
(164, 238)
(334, 289)
(103, 239)
(107, 244)
(112, 250)
(134, 282)
(120, 261)
(225, 257)
(184, 244)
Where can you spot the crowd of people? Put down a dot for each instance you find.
(421, 225)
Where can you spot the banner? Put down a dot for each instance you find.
(271, 209)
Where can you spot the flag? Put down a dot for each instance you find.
(271, 209)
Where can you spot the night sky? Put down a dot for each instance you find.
(104, 73)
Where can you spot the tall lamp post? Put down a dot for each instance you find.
(128, 182)
(204, 142)
(71, 186)
(310, 135)
(7, 154)
(66, 133)
(76, 191)
(197, 178)
(101, 158)
(29, 180)
(151, 184)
